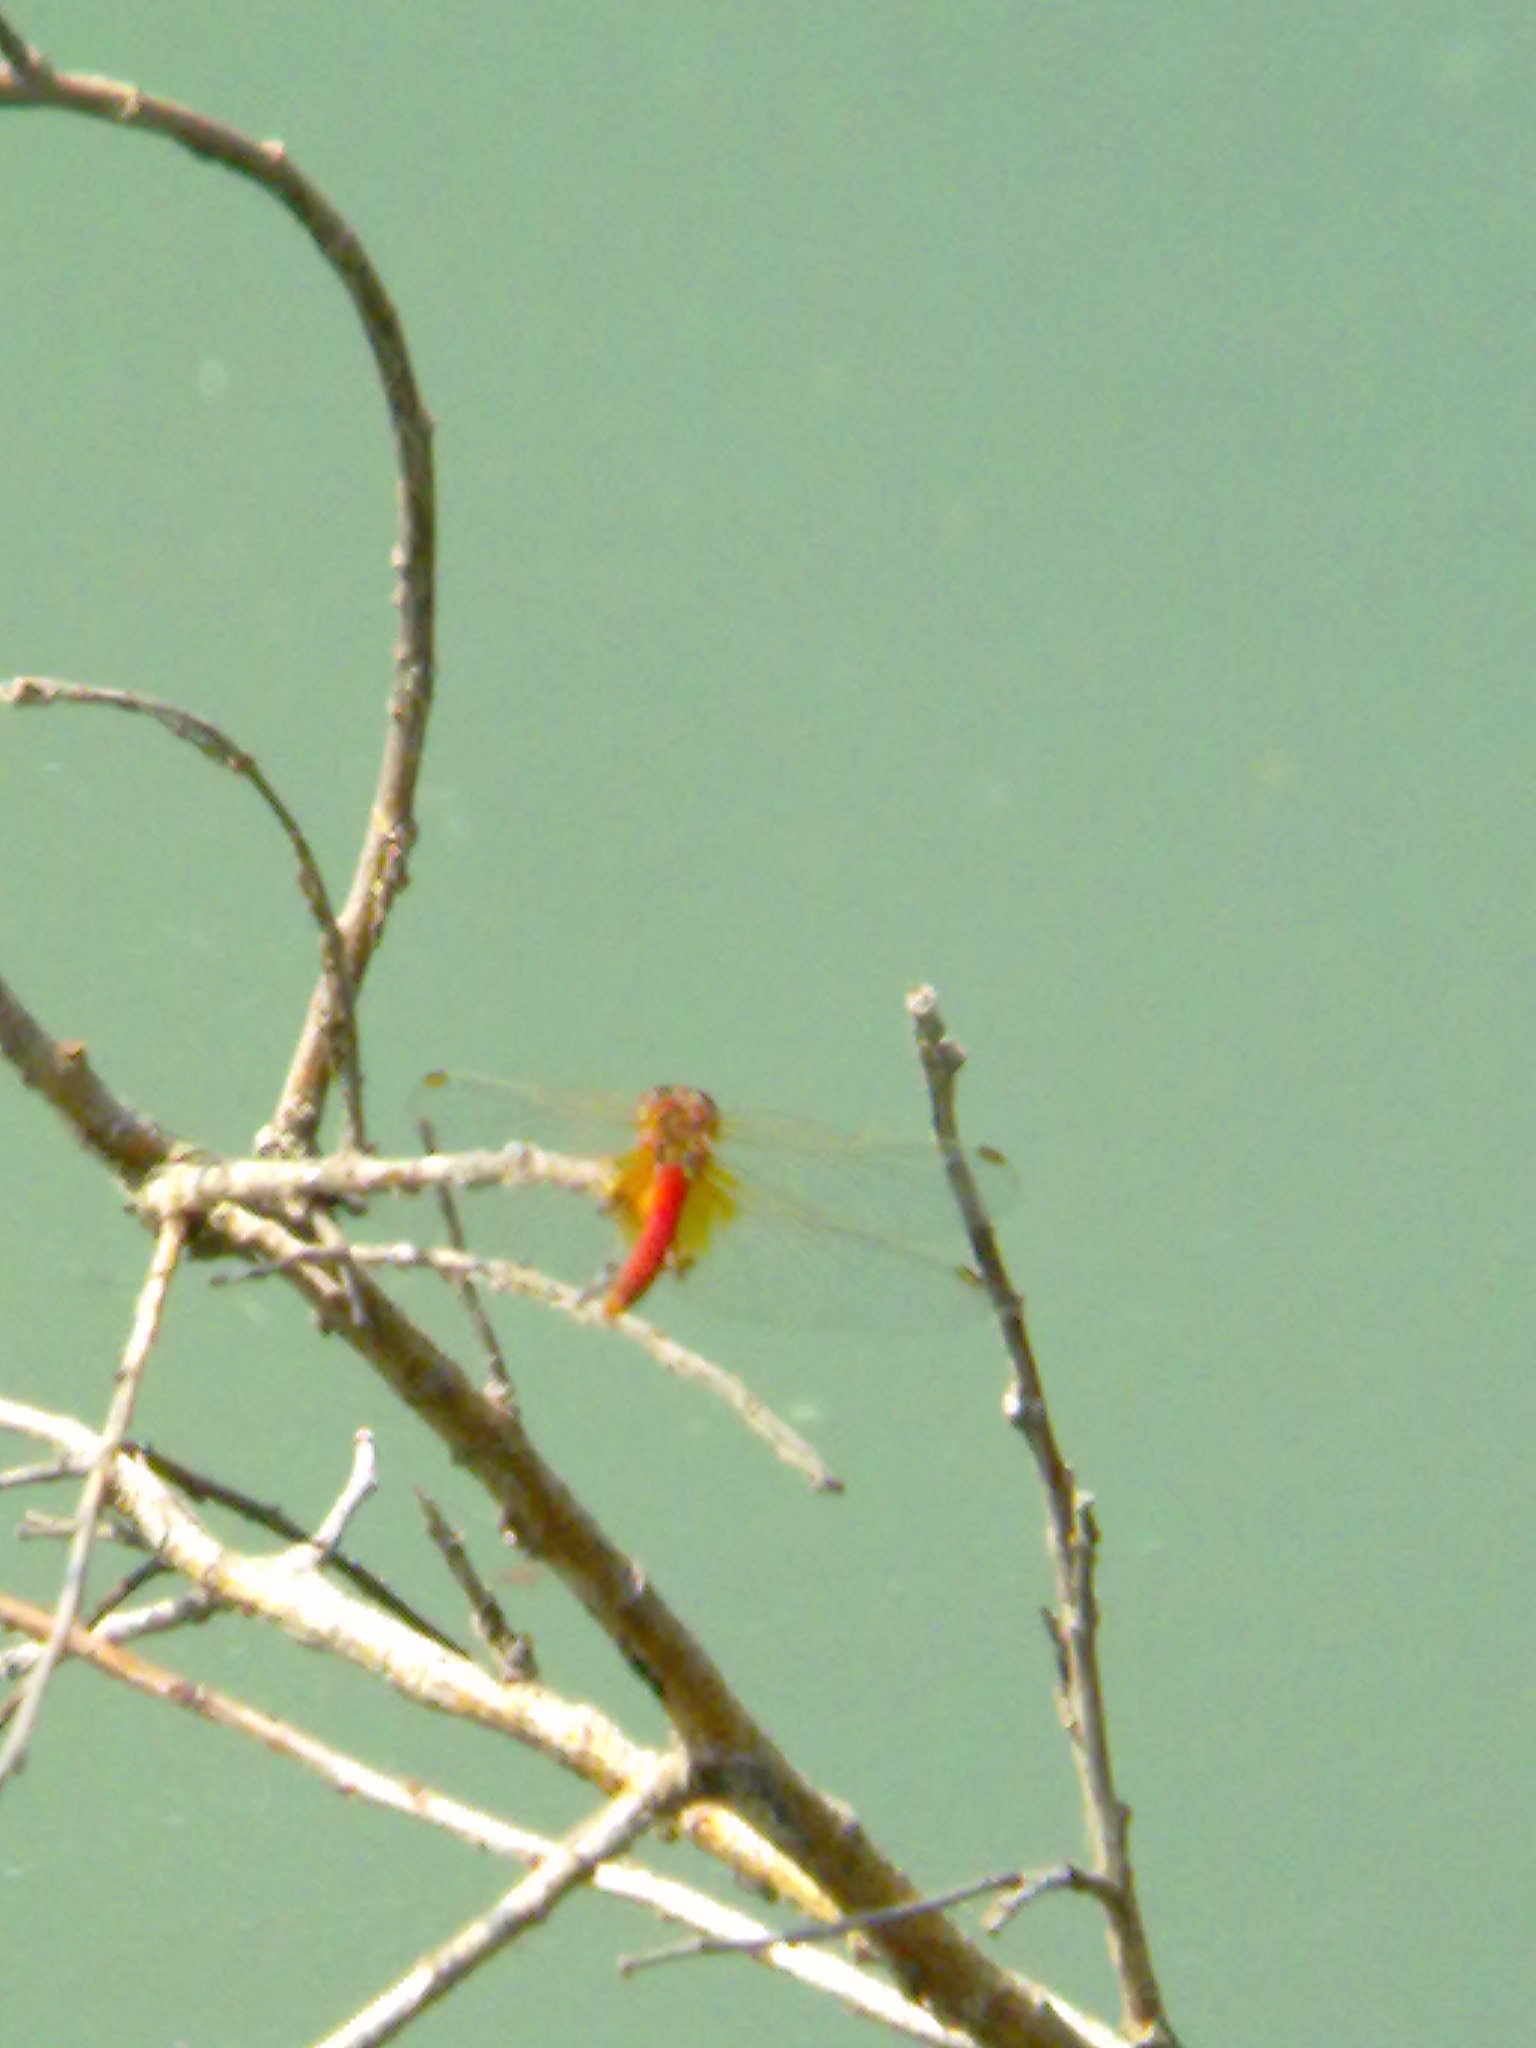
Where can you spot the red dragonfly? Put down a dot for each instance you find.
(784, 1220)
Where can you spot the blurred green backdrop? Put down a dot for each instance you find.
(1033, 498)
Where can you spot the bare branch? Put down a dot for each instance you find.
(18, 52)
(60, 1072)
(310, 1610)
(362, 1480)
(199, 1486)
(146, 1327)
(191, 1187)
(217, 746)
(959, 1981)
(511, 1648)
(381, 870)
(504, 1276)
(607, 1834)
(411, 1800)
(1073, 1537)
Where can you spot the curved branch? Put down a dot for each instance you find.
(216, 745)
(27, 80)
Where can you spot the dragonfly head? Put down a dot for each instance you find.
(678, 1126)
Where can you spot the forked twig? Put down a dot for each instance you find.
(198, 1486)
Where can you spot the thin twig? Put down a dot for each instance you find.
(608, 1833)
(18, 52)
(216, 745)
(511, 1648)
(38, 1475)
(199, 1486)
(1066, 1877)
(466, 1290)
(157, 1617)
(1073, 1538)
(504, 1276)
(819, 1931)
(141, 1339)
(362, 1480)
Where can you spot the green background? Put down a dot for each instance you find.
(1033, 498)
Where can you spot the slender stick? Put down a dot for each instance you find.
(504, 1276)
(146, 1327)
(608, 1833)
(216, 745)
(1073, 1536)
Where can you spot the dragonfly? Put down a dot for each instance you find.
(774, 1219)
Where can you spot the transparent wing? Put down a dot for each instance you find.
(888, 1189)
(828, 1230)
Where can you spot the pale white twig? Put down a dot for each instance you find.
(188, 1187)
(41, 1475)
(605, 1834)
(310, 1609)
(146, 1325)
(665, 1897)
(361, 1481)
(504, 1276)
(127, 1625)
